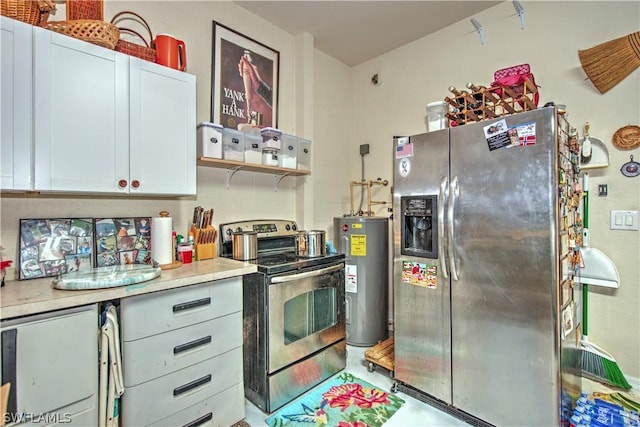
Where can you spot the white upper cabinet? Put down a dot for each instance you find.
(81, 116)
(162, 129)
(16, 93)
(101, 122)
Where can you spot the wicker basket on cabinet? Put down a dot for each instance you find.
(93, 31)
(34, 12)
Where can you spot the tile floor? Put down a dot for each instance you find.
(413, 413)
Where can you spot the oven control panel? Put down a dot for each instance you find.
(264, 228)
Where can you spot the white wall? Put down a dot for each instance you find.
(346, 111)
(421, 72)
(251, 195)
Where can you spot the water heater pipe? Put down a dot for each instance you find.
(368, 184)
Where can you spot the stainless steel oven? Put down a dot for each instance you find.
(294, 315)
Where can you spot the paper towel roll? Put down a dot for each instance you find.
(162, 239)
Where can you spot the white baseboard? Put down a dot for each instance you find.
(635, 384)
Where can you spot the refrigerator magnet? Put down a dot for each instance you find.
(567, 320)
(497, 135)
(404, 167)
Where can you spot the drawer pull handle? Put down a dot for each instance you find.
(191, 304)
(193, 384)
(192, 344)
(203, 419)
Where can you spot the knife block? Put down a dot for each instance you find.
(204, 250)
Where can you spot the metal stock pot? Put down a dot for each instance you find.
(245, 245)
(311, 243)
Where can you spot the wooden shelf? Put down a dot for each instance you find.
(233, 166)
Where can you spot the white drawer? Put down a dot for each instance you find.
(157, 399)
(78, 414)
(158, 355)
(150, 314)
(223, 409)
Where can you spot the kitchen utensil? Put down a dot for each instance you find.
(245, 245)
(595, 361)
(607, 64)
(599, 155)
(107, 277)
(593, 152)
(631, 168)
(311, 243)
(170, 52)
(627, 137)
(204, 238)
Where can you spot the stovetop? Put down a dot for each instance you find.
(289, 261)
(276, 246)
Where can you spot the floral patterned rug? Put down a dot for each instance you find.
(341, 401)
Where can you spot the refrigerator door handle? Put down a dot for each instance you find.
(454, 191)
(442, 241)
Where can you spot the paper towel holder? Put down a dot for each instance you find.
(175, 263)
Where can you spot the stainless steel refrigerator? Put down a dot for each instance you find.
(485, 308)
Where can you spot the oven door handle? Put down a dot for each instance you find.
(292, 277)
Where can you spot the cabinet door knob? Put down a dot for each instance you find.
(135, 183)
(122, 183)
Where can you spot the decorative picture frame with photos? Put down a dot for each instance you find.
(51, 247)
(122, 241)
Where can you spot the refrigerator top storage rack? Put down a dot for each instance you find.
(492, 102)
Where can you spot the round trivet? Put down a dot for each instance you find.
(627, 137)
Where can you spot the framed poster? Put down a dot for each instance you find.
(122, 241)
(50, 247)
(244, 86)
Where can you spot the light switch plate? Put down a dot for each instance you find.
(624, 220)
(603, 190)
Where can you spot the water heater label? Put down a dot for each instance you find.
(351, 278)
(358, 245)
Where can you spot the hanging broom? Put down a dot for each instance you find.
(607, 64)
(596, 362)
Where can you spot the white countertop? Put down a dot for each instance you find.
(21, 298)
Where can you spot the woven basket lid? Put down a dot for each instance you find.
(627, 137)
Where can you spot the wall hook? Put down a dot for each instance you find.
(518, 7)
(479, 29)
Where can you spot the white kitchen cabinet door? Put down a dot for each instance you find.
(81, 116)
(162, 129)
(16, 93)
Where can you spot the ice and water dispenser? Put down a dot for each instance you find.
(419, 226)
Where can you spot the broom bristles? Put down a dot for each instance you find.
(601, 368)
(609, 63)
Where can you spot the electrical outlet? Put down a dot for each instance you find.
(364, 149)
